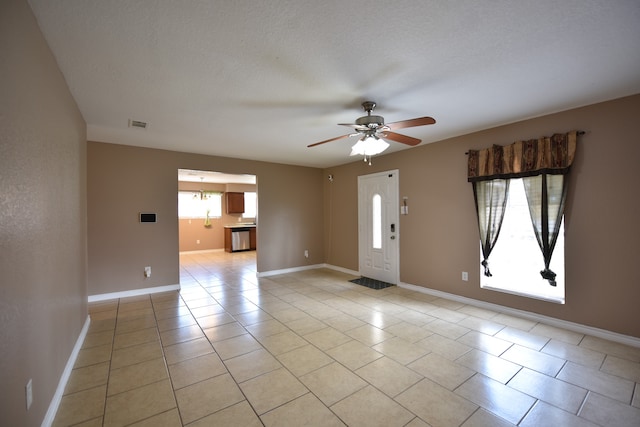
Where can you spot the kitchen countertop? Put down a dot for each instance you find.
(240, 226)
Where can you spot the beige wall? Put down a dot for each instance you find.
(43, 282)
(194, 236)
(123, 181)
(439, 237)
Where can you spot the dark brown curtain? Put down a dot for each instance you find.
(543, 164)
(553, 155)
(546, 195)
(491, 202)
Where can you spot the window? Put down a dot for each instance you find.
(250, 204)
(197, 204)
(377, 221)
(516, 259)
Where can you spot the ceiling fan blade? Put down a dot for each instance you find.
(357, 127)
(403, 139)
(420, 121)
(329, 140)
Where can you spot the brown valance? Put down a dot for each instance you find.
(552, 155)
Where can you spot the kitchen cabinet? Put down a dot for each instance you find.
(227, 240)
(234, 202)
(253, 238)
(231, 235)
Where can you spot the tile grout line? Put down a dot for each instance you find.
(221, 360)
(352, 299)
(295, 376)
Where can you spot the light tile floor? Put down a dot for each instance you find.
(311, 348)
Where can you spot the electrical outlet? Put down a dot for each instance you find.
(28, 389)
(147, 271)
(198, 242)
(465, 276)
(306, 253)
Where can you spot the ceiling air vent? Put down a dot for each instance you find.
(137, 124)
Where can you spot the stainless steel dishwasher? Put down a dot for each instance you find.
(240, 240)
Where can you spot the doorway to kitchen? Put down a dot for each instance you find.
(211, 205)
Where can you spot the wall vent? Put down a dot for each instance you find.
(137, 124)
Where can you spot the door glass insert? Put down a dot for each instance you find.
(377, 221)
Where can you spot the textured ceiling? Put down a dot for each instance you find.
(189, 175)
(263, 79)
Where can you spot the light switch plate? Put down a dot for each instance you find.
(29, 393)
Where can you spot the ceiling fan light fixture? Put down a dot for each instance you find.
(371, 126)
(369, 145)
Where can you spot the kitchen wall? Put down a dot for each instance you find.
(439, 237)
(43, 276)
(118, 188)
(192, 230)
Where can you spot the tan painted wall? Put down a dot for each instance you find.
(439, 237)
(43, 282)
(123, 181)
(193, 231)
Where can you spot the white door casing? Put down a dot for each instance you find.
(378, 235)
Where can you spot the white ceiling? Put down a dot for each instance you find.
(189, 175)
(263, 79)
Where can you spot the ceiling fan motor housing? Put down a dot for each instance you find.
(373, 127)
(370, 121)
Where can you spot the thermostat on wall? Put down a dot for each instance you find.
(147, 217)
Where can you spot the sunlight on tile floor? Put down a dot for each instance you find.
(311, 348)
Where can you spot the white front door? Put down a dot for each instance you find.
(378, 226)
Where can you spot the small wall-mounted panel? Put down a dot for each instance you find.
(148, 217)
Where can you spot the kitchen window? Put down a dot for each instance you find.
(250, 205)
(199, 204)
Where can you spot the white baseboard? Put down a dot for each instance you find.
(342, 269)
(57, 397)
(201, 251)
(133, 293)
(307, 267)
(552, 321)
(289, 270)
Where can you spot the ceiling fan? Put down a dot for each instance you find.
(373, 132)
